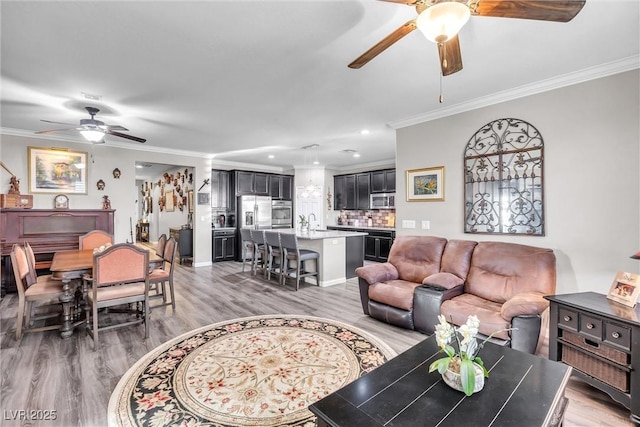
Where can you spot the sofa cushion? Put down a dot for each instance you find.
(457, 310)
(444, 280)
(396, 293)
(456, 258)
(416, 257)
(501, 270)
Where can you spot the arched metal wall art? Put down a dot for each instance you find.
(503, 189)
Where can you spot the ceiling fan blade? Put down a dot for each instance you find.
(450, 56)
(55, 130)
(384, 44)
(57, 123)
(558, 11)
(117, 127)
(124, 135)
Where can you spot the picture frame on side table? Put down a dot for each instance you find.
(625, 289)
(57, 170)
(425, 185)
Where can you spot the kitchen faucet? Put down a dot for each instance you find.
(309, 219)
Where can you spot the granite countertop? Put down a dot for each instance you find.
(321, 234)
(223, 228)
(362, 227)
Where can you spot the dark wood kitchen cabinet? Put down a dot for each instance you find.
(383, 181)
(247, 183)
(281, 187)
(223, 245)
(345, 192)
(363, 190)
(377, 245)
(220, 189)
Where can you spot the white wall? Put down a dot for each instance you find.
(591, 134)
(122, 192)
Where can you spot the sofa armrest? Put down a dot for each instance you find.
(524, 304)
(375, 273)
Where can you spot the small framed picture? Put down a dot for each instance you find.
(625, 289)
(203, 198)
(425, 184)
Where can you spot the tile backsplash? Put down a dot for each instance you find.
(379, 218)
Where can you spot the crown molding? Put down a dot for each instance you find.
(591, 73)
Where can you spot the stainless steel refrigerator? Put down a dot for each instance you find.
(254, 212)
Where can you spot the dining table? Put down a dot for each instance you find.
(70, 267)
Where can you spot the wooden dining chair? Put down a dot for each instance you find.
(94, 239)
(274, 254)
(31, 291)
(31, 257)
(120, 276)
(163, 276)
(291, 252)
(248, 247)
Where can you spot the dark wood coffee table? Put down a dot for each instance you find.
(522, 389)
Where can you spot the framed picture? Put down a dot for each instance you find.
(169, 206)
(203, 198)
(625, 289)
(190, 200)
(425, 184)
(55, 170)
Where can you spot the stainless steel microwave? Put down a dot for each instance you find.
(382, 201)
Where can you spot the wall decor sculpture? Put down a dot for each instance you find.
(503, 188)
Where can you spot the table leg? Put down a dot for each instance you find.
(66, 299)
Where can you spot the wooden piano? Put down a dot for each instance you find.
(47, 231)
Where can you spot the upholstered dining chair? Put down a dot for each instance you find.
(248, 247)
(94, 239)
(162, 241)
(160, 277)
(274, 254)
(260, 252)
(31, 257)
(30, 291)
(291, 252)
(120, 276)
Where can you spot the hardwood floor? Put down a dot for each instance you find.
(45, 373)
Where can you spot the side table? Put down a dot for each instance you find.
(600, 339)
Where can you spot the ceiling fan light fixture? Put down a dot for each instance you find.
(442, 21)
(92, 135)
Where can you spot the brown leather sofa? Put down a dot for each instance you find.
(501, 283)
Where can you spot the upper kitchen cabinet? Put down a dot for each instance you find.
(345, 192)
(248, 183)
(363, 190)
(281, 187)
(220, 189)
(383, 181)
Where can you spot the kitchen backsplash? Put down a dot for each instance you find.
(379, 218)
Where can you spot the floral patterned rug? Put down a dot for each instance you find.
(255, 371)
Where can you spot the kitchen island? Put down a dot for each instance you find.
(341, 252)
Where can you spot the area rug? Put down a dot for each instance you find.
(255, 371)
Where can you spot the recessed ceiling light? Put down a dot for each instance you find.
(271, 156)
(315, 162)
(356, 154)
(364, 132)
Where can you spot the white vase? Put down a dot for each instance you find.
(452, 379)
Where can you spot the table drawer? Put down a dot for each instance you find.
(591, 326)
(617, 335)
(568, 319)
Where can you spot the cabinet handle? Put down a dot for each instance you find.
(567, 318)
(615, 334)
(590, 325)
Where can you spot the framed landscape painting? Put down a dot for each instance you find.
(54, 170)
(425, 184)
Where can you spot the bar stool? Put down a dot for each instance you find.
(247, 245)
(260, 252)
(291, 252)
(274, 252)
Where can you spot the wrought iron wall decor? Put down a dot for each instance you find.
(503, 189)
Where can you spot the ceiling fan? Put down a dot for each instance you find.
(440, 21)
(94, 130)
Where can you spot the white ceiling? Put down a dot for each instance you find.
(244, 79)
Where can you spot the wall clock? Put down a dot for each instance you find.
(61, 201)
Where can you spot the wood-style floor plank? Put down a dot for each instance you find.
(44, 372)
